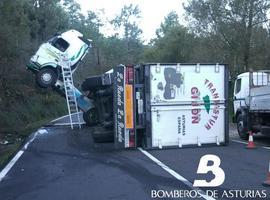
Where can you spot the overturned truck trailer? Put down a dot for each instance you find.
(160, 105)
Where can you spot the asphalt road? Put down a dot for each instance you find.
(61, 163)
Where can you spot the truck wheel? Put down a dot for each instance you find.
(90, 117)
(242, 127)
(107, 124)
(92, 83)
(46, 77)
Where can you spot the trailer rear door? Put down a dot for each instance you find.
(187, 104)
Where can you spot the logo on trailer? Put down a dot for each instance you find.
(196, 106)
(119, 106)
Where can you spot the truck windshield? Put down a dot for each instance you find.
(59, 43)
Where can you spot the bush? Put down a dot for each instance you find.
(35, 108)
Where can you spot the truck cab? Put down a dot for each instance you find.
(251, 97)
(45, 63)
(241, 91)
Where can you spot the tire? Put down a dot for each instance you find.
(92, 83)
(90, 117)
(46, 77)
(101, 135)
(105, 93)
(107, 124)
(242, 127)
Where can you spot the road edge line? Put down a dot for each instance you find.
(67, 124)
(12, 162)
(175, 174)
(63, 117)
(59, 118)
(238, 141)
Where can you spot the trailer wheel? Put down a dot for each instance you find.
(90, 117)
(242, 127)
(46, 77)
(101, 135)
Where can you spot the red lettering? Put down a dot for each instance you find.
(213, 90)
(207, 126)
(195, 119)
(211, 122)
(210, 85)
(216, 111)
(216, 95)
(195, 111)
(215, 117)
(194, 90)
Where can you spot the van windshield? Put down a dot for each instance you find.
(59, 43)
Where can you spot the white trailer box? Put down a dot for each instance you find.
(178, 84)
(176, 126)
(170, 105)
(186, 104)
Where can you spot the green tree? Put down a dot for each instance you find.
(127, 22)
(14, 42)
(49, 17)
(173, 42)
(90, 26)
(170, 21)
(234, 22)
(74, 15)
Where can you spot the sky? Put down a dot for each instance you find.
(152, 12)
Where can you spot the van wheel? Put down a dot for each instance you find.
(90, 117)
(46, 77)
(242, 127)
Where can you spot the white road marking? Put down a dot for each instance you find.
(59, 118)
(241, 142)
(238, 141)
(42, 131)
(4, 172)
(176, 175)
(63, 117)
(8, 167)
(11, 163)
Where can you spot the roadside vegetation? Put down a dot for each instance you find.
(235, 32)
